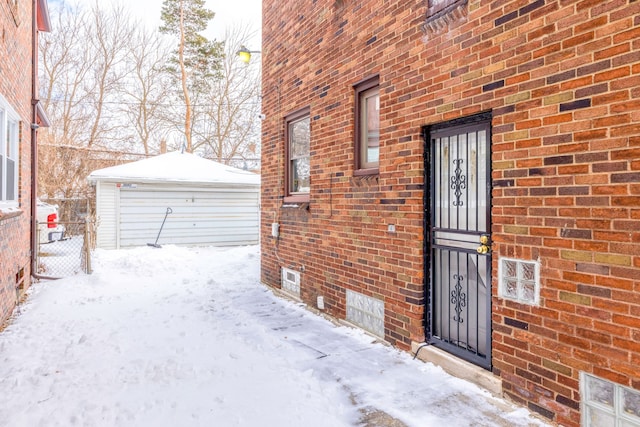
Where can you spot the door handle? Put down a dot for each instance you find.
(483, 249)
(484, 245)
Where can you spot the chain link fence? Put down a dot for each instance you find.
(65, 241)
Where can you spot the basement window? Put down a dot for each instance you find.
(605, 403)
(366, 312)
(519, 280)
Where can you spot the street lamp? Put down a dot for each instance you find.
(245, 54)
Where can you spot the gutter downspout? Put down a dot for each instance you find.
(34, 141)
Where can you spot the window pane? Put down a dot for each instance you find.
(9, 159)
(299, 138)
(2, 180)
(599, 391)
(598, 418)
(510, 269)
(4, 148)
(12, 139)
(631, 402)
(528, 291)
(528, 271)
(371, 127)
(11, 180)
(511, 288)
(300, 175)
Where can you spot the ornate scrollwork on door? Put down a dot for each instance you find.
(458, 182)
(458, 298)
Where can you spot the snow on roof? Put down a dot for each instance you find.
(176, 167)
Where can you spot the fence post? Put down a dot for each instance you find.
(87, 247)
(36, 255)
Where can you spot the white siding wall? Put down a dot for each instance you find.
(201, 216)
(107, 214)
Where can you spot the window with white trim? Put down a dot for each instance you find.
(9, 151)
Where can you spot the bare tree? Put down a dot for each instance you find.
(82, 70)
(230, 124)
(148, 89)
(112, 32)
(109, 91)
(65, 65)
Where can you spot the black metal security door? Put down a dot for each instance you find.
(458, 240)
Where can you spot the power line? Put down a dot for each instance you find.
(157, 104)
(126, 153)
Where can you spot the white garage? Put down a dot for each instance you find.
(204, 203)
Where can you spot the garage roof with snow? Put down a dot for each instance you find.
(176, 167)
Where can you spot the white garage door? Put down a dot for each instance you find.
(219, 217)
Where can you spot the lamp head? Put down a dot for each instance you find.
(244, 54)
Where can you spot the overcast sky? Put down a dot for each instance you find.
(229, 13)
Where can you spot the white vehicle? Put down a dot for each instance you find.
(48, 228)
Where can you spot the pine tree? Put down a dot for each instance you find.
(196, 60)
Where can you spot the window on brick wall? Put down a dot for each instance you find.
(519, 280)
(366, 312)
(9, 149)
(367, 126)
(605, 403)
(298, 157)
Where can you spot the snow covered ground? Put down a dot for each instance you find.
(189, 337)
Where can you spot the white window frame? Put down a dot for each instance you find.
(9, 151)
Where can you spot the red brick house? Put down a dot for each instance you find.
(20, 116)
(461, 178)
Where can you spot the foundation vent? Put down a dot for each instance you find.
(290, 281)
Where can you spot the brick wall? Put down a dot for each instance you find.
(562, 80)
(15, 87)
